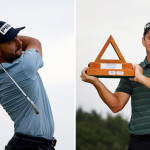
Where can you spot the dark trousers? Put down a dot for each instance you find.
(139, 142)
(23, 142)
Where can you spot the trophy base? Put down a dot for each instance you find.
(102, 76)
(124, 70)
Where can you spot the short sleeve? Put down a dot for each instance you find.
(31, 62)
(124, 86)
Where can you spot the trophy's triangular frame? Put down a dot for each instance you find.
(110, 68)
(118, 52)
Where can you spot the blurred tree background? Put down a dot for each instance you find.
(96, 133)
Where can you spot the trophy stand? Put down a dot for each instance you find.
(108, 68)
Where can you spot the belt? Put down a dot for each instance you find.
(141, 137)
(38, 140)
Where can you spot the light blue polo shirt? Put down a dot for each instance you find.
(24, 71)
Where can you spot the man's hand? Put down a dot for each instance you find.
(139, 77)
(86, 78)
(138, 73)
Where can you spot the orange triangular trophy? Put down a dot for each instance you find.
(110, 68)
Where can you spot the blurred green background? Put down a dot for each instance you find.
(93, 132)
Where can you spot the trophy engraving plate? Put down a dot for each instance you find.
(110, 66)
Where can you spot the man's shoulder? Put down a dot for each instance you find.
(30, 55)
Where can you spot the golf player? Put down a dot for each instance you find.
(139, 90)
(21, 56)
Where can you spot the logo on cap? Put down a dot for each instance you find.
(147, 25)
(5, 28)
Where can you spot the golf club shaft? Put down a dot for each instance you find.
(32, 103)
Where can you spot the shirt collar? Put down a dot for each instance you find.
(145, 63)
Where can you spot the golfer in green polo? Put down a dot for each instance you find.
(139, 90)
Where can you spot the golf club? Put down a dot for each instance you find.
(32, 103)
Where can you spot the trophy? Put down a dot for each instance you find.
(110, 68)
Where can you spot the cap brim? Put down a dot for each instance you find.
(15, 32)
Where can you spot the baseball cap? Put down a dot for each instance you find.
(7, 32)
(146, 28)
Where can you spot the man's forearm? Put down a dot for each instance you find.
(139, 77)
(30, 43)
(145, 81)
(109, 98)
(115, 101)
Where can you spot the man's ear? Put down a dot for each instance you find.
(143, 41)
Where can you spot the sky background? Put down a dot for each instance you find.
(52, 22)
(96, 20)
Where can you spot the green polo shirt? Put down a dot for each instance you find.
(140, 101)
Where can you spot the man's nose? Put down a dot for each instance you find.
(18, 41)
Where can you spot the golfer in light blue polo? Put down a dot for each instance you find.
(21, 56)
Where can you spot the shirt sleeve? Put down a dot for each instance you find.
(124, 86)
(31, 62)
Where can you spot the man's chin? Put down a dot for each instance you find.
(18, 54)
